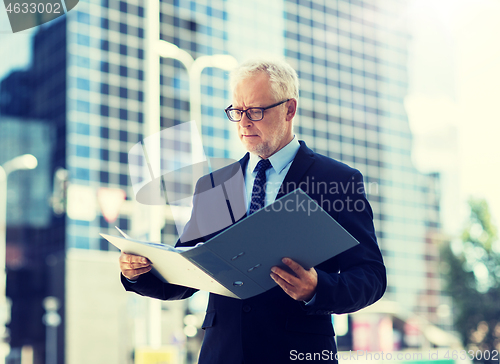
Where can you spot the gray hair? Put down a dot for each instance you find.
(283, 78)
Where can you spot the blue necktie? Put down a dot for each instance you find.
(259, 186)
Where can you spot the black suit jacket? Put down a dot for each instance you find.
(272, 327)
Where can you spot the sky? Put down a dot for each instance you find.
(454, 74)
(15, 48)
(452, 105)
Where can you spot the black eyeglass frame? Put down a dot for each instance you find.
(262, 109)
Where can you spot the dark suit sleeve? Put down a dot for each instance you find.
(151, 286)
(358, 277)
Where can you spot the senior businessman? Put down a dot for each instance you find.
(292, 320)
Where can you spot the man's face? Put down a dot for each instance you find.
(264, 137)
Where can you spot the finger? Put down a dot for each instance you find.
(285, 286)
(281, 282)
(134, 265)
(135, 273)
(139, 265)
(131, 267)
(132, 258)
(134, 261)
(296, 267)
(285, 276)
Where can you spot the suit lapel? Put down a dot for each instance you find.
(301, 163)
(243, 162)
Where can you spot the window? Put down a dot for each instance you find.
(123, 180)
(82, 129)
(123, 116)
(104, 110)
(81, 242)
(83, 106)
(123, 157)
(123, 71)
(83, 17)
(104, 176)
(83, 40)
(82, 174)
(123, 223)
(123, 92)
(82, 84)
(123, 28)
(83, 151)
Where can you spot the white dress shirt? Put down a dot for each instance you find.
(280, 164)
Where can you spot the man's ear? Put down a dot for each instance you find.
(291, 109)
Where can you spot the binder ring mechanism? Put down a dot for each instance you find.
(249, 269)
(240, 283)
(238, 255)
(254, 267)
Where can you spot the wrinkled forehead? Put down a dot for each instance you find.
(253, 89)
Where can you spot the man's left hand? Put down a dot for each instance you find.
(301, 286)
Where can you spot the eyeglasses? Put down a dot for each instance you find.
(253, 113)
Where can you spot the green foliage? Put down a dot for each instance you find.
(473, 280)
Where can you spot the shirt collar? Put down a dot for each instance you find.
(280, 159)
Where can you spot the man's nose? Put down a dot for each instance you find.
(245, 122)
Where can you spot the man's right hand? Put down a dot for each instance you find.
(132, 266)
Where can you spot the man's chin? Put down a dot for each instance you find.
(260, 150)
(254, 148)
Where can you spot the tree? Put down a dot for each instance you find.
(472, 273)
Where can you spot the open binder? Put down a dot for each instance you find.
(237, 262)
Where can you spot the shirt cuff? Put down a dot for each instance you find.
(131, 281)
(311, 301)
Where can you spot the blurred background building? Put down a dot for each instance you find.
(81, 106)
